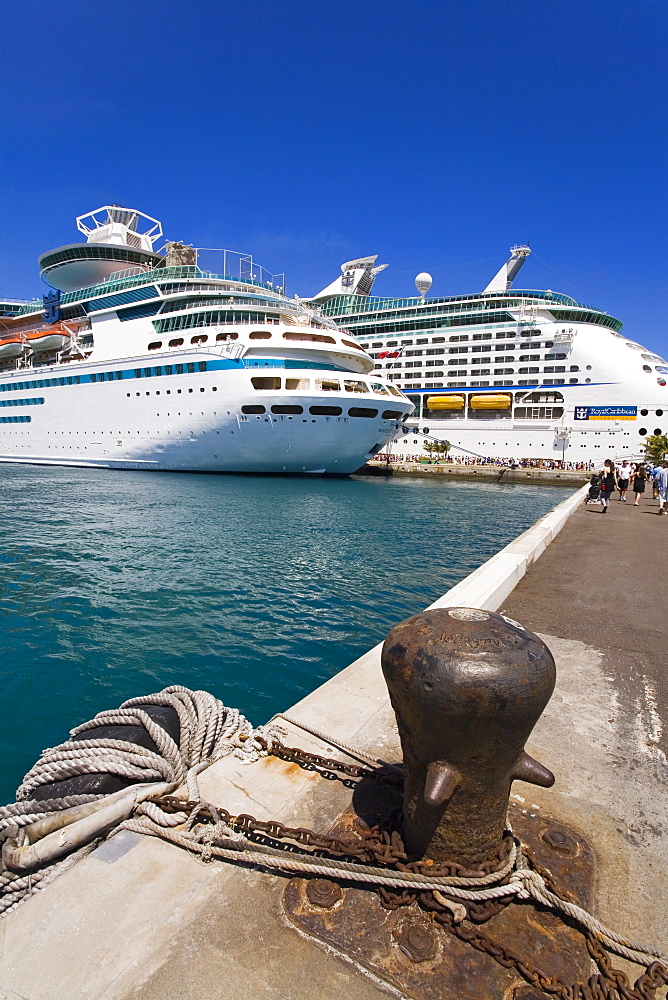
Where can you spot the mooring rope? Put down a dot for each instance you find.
(208, 731)
(523, 883)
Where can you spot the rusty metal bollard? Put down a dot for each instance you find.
(467, 688)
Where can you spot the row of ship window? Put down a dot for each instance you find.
(322, 411)
(40, 383)
(559, 316)
(323, 384)
(297, 384)
(202, 338)
(418, 325)
(487, 361)
(33, 401)
(525, 334)
(46, 383)
(483, 384)
(187, 321)
(461, 373)
(481, 349)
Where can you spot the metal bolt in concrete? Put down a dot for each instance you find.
(323, 893)
(558, 840)
(417, 942)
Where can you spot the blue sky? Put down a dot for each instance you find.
(435, 134)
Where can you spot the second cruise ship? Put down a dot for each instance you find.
(505, 372)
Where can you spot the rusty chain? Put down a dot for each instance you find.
(383, 845)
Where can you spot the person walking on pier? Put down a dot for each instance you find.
(608, 481)
(623, 477)
(639, 481)
(662, 482)
(656, 481)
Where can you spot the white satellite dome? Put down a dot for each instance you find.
(423, 283)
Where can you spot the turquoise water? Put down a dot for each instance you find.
(116, 584)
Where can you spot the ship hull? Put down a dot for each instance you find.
(193, 422)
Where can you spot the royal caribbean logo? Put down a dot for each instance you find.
(606, 412)
(51, 306)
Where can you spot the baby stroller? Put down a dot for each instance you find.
(594, 494)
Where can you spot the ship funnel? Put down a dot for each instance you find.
(504, 278)
(357, 278)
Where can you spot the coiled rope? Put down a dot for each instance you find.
(208, 731)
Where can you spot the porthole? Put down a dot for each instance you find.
(643, 413)
(642, 431)
(201, 389)
(587, 380)
(325, 411)
(362, 411)
(657, 430)
(659, 413)
(588, 368)
(287, 408)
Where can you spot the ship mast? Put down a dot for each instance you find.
(504, 278)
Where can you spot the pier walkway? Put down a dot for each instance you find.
(602, 583)
(139, 919)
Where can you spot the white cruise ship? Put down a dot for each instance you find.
(506, 373)
(143, 360)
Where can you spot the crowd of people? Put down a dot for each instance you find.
(629, 476)
(507, 461)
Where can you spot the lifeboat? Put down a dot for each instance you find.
(491, 401)
(11, 347)
(445, 402)
(53, 339)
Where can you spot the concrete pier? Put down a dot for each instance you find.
(142, 920)
(486, 473)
